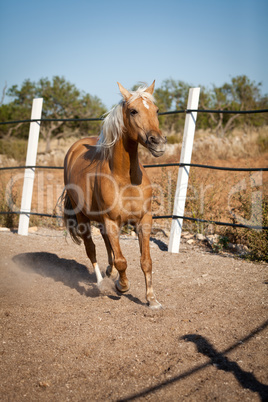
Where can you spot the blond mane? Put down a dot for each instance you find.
(113, 124)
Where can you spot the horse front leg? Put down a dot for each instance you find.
(112, 230)
(144, 231)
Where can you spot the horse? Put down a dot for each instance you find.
(106, 183)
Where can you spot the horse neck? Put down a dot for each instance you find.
(125, 160)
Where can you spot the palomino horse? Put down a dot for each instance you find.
(106, 183)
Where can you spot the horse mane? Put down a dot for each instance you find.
(113, 123)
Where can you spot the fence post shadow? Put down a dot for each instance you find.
(219, 360)
(246, 379)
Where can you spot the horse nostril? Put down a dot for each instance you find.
(153, 140)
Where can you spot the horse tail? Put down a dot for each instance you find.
(70, 219)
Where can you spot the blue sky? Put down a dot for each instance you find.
(94, 44)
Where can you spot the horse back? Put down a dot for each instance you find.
(84, 149)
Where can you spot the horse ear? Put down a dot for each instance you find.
(126, 95)
(150, 89)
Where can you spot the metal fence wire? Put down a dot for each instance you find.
(160, 114)
(147, 166)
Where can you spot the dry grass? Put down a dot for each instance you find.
(209, 193)
(207, 146)
(232, 197)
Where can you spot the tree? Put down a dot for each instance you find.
(172, 95)
(61, 100)
(18, 109)
(240, 94)
(9, 112)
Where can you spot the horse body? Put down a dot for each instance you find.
(105, 183)
(119, 191)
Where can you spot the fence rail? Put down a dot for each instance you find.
(218, 223)
(186, 111)
(152, 166)
(160, 114)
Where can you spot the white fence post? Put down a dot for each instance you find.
(28, 183)
(183, 175)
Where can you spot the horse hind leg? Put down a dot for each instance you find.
(91, 252)
(144, 230)
(111, 271)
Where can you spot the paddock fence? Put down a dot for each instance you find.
(187, 111)
(160, 165)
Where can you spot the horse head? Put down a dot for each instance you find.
(140, 115)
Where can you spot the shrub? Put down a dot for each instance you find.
(207, 198)
(6, 200)
(262, 142)
(174, 139)
(15, 149)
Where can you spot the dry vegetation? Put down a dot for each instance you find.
(209, 194)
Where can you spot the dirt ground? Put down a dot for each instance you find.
(62, 339)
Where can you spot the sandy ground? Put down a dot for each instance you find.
(64, 340)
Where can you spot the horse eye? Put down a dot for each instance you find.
(157, 111)
(133, 112)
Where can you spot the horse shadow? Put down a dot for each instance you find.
(70, 273)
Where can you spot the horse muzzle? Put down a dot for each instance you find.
(156, 143)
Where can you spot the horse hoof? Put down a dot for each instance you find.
(120, 288)
(155, 305)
